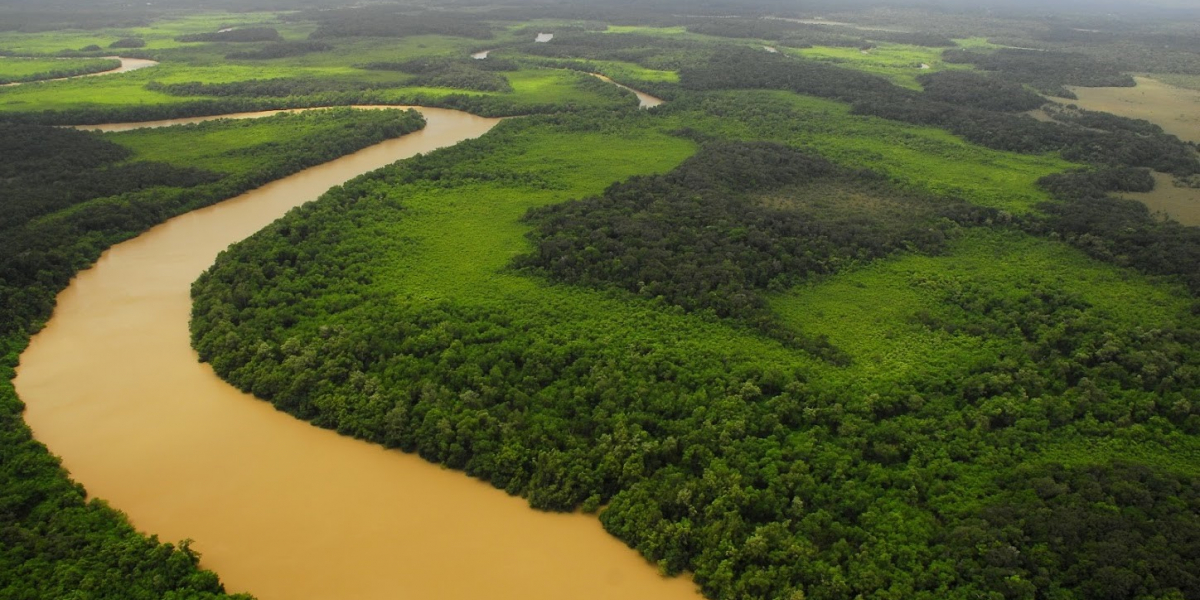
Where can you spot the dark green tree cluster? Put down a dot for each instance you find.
(1094, 119)
(1094, 183)
(46, 170)
(1046, 71)
(704, 237)
(760, 29)
(241, 34)
(1124, 143)
(1055, 510)
(1019, 133)
(128, 43)
(1119, 230)
(97, 66)
(964, 88)
(741, 68)
(263, 88)
(649, 51)
(280, 50)
(465, 74)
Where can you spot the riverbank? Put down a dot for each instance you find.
(270, 500)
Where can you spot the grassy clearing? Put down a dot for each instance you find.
(976, 43)
(627, 70)
(44, 68)
(455, 243)
(107, 90)
(1172, 108)
(466, 237)
(920, 157)
(1177, 202)
(227, 146)
(899, 63)
(542, 86)
(677, 31)
(870, 312)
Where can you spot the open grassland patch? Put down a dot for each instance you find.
(922, 157)
(1179, 202)
(229, 146)
(976, 43)
(631, 71)
(84, 92)
(1176, 110)
(872, 312)
(467, 237)
(899, 63)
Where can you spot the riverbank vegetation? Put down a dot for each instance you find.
(24, 70)
(826, 325)
(69, 195)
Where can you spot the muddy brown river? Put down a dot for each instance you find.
(277, 507)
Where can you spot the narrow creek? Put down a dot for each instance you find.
(277, 507)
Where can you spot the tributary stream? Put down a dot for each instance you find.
(277, 507)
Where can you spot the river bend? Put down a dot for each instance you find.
(277, 507)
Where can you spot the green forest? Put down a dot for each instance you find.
(858, 312)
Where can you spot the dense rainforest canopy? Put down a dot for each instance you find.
(842, 319)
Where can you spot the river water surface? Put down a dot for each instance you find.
(127, 65)
(277, 507)
(644, 100)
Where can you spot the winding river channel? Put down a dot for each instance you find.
(277, 507)
(127, 65)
